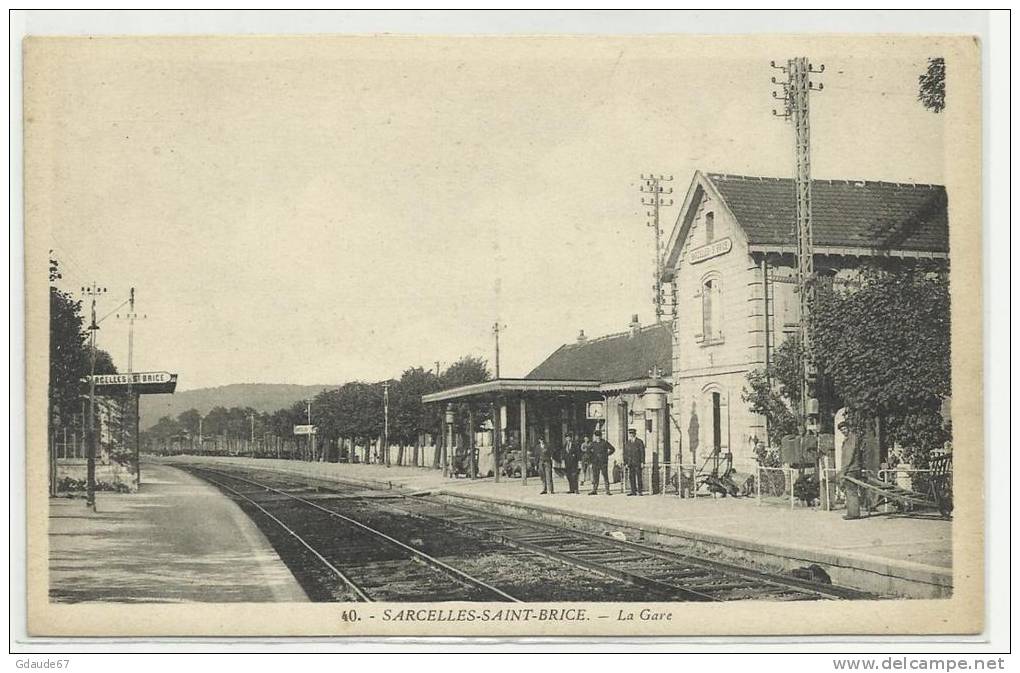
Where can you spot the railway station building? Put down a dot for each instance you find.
(730, 260)
(610, 383)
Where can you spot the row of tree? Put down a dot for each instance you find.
(354, 412)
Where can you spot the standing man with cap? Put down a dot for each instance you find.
(571, 459)
(545, 465)
(634, 459)
(600, 450)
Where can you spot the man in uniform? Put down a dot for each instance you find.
(571, 459)
(600, 450)
(634, 459)
(545, 465)
(585, 459)
(851, 467)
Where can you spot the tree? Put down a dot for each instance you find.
(931, 90)
(68, 363)
(104, 363)
(408, 415)
(189, 420)
(885, 346)
(164, 429)
(467, 370)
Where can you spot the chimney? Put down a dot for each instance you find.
(635, 325)
(581, 338)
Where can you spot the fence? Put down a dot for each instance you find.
(832, 492)
(775, 485)
(664, 479)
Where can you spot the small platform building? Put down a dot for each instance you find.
(610, 383)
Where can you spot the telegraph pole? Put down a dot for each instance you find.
(651, 184)
(796, 95)
(311, 449)
(386, 421)
(496, 327)
(92, 291)
(131, 316)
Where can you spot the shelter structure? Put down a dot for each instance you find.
(610, 384)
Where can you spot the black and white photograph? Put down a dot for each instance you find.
(480, 335)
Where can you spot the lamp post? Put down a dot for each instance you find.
(386, 423)
(448, 444)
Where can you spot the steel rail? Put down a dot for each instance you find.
(416, 553)
(781, 582)
(790, 583)
(339, 573)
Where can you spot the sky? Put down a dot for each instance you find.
(319, 210)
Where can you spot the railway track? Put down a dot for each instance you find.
(661, 569)
(657, 574)
(369, 564)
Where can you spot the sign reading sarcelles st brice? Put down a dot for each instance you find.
(709, 251)
(135, 378)
(141, 383)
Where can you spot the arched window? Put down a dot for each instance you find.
(709, 227)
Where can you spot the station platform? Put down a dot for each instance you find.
(178, 539)
(890, 555)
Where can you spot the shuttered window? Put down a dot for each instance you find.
(707, 299)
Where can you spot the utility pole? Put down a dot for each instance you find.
(796, 95)
(437, 368)
(251, 446)
(311, 438)
(386, 422)
(92, 291)
(651, 184)
(496, 327)
(131, 316)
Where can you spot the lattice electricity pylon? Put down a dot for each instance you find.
(795, 97)
(651, 184)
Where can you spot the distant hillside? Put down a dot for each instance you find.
(258, 396)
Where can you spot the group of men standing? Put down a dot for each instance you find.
(591, 454)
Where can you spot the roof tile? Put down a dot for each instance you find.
(845, 213)
(612, 358)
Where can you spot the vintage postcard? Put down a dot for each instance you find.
(503, 336)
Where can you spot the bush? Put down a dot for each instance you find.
(70, 485)
(806, 489)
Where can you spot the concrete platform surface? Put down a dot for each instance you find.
(915, 549)
(178, 539)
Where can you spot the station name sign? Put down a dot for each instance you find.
(720, 247)
(305, 430)
(142, 383)
(135, 378)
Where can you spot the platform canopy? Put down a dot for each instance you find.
(499, 387)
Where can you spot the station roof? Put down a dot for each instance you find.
(612, 358)
(844, 213)
(849, 217)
